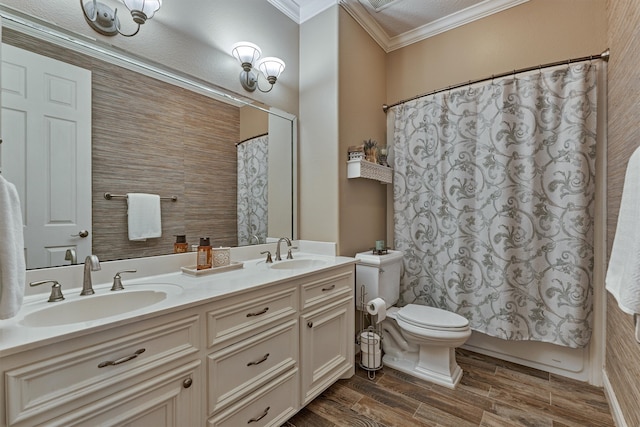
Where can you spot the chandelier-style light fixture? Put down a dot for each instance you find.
(248, 54)
(105, 20)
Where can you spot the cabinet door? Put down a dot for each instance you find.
(170, 399)
(326, 338)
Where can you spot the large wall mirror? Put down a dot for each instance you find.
(81, 119)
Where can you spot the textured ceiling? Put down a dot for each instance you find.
(401, 16)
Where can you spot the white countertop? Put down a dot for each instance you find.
(183, 291)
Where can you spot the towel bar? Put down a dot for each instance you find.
(110, 196)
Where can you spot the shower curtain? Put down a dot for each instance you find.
(494, 190)
(253, 160)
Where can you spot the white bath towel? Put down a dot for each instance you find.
(144, 218)
(12, 264)
(623, 274)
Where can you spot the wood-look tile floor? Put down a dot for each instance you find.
(492, 393)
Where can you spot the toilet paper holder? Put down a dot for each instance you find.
(370, 337)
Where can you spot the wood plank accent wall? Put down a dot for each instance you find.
(149, 136)
(622, 362)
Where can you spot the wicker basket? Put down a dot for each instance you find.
(364, 169)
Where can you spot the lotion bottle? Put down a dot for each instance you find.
(204, 254)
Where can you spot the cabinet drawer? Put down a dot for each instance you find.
(233, 319)
(272, 405)
(241, 368)
(328, 286)
(165, 400)
(79, 376)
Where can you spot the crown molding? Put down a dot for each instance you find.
(299, 14)
(289, 8)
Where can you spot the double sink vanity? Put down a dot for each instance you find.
(250, 346)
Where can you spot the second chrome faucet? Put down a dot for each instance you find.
(91, 263)
(289, 256)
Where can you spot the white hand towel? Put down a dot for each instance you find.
(144, 219)
(12, 264)
(623, 274)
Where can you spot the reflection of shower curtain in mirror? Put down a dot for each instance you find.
(494, 203)
(253, 159)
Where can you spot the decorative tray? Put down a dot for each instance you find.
(193, 271)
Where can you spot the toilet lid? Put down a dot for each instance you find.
(432, 318)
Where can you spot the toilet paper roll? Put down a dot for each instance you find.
(377, 308)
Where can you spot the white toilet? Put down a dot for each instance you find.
(417, 339)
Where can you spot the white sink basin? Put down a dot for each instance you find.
(297, 264)
(95, 307)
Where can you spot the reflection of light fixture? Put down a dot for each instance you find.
(105, 20)
(248, 55)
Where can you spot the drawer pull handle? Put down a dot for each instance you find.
(258, 313)
(187, 383)
(310, 324)
(122, 359)
(257, 362)
(330, 288)
(256, 419)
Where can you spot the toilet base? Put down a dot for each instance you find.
(436, 364)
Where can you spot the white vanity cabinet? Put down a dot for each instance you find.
(254, 357)
(327, 330)
(145, 373)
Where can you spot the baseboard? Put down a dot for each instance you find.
(614, 406)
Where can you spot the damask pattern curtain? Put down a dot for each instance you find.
(253, 160)
(494, 191)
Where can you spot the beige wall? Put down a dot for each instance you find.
(318, 148)
(536, 32)
(362, 92)
(623, 353)
(233, 21)
(352, 212)
(253, 122)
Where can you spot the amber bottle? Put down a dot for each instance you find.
(204, 254)
(180, 246)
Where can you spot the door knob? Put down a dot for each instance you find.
(82, 233)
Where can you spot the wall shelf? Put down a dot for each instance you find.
(369, 170)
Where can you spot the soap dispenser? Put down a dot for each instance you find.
(204, 254)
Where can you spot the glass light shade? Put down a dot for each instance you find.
(271, 67)
(246, 52)
(148, 7)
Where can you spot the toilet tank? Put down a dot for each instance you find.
(380, 275)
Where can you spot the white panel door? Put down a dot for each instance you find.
(46, 152)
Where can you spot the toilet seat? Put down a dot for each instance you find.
(433, 318)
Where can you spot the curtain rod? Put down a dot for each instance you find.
(604, 56)
(249, 139)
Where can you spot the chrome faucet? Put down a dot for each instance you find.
(70, 255)
(256, 238)
(289, 256)
(91, 263)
